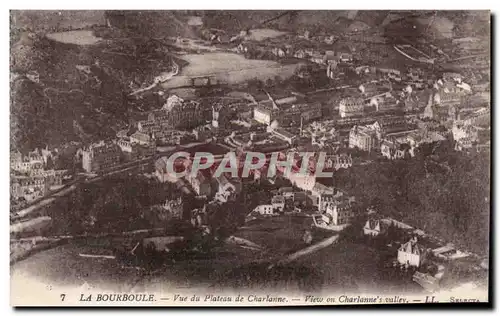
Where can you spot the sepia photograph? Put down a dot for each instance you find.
(250, 157)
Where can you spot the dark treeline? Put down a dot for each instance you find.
(446, 194)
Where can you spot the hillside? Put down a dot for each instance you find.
(445, 194)
(63, 92)
(56, 20)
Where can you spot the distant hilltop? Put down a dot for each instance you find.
(161, 23)
(56, 20)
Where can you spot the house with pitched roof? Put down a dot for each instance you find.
(375, 227)
(341, 213)
(412, 253)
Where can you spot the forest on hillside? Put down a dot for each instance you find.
(446, 194)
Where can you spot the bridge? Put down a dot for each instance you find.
(179, 82)
(203, 81)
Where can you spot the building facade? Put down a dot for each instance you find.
(411, 253)
(363, 138)
(341, 213)
(328, 200)
(264, 209)
(99, 156)
(278, 203)
(349, 107)
(374, 228)
(175, 114)
(29, 188)
(200, 183)
(264, 114)
(393, 150)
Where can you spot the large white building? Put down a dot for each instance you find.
(374, 227)
(264, 209)
(411, 253)
(99, 156)
(33, 163)
(481, 116)
(351, 107)
(263, 115)
(341, 213)
(329, 199)
(29, 188)
(278, 202)
(364, 137)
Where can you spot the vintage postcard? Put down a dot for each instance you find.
(249, 158)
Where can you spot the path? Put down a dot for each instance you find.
(160, 79)
(306, 251)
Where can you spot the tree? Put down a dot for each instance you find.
(50, 163)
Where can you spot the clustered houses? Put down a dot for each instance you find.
(480, 117)
(337, 70)
(389, 73)
(175, 114)
(174, 208)
(448, 95)
(364, 137)
(390, 134)
(284, 135)
(30, 179)
(29, 188)
(226, 189)
(100, 156)
(304, 182)
(464, 135)
(328, 199)
(307, 181)
(415, 77)
(350, 107)
(410, 253)
(32, 163)
(338, 161)
(200, 183)
(161, 171)
(287, 111)
(335, 207)
(265, 209)
(419, 253)
(278, 203)
(134, 150)
(269, 50)
(203, 182)
(383, 102)
(395, 149)
(138, 145)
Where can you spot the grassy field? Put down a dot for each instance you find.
(228, 68)
(279, 235)
(262, 34)
(45, 20)
(213, 63)
(81, 37)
